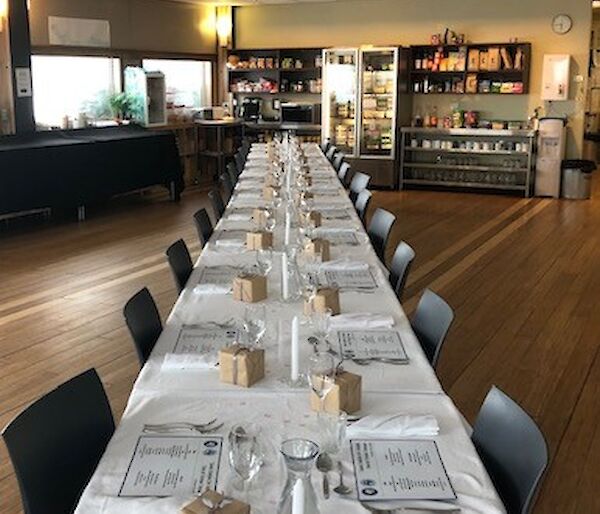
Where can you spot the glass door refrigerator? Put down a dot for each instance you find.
(365, 101)
(340, 94)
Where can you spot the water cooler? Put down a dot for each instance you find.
(551, 151)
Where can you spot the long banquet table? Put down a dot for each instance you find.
(163, 394)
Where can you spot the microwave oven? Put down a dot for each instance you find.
(300, 113)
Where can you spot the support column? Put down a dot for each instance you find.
(20, 53)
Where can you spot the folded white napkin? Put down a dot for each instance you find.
(239, 217)
(248, 195)
(230, 243)
(344, 265)
(361, 320)
(394, 425)
(212, 289)
(177, 361)
(335, 230)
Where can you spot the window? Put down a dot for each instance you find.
(189, 83)
(73, 85)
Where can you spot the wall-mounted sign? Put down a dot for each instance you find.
(23, 82)
(78, 32)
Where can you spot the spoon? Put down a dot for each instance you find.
(325, 465)
(341, 489)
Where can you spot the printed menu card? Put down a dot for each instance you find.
(371, 344)
(354, 279)
(399, 470)
(173, 465)
(201, 339)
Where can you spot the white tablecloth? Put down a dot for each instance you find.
(197, 395)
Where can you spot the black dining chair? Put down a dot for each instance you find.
(232, 172)
(143, 321)
(345, 174)
(55, 444)
(379, 231)
(240, 161)
(226, 185)
(430, 323)
(360, 182)
(203, 226)
(338, 161)
(217, 203)
(362, 205)
(180, 263)
(512, 449)
(331, 153)
(400, 267)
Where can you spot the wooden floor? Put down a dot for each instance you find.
(522, 275)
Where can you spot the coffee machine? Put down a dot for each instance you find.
(251, 109)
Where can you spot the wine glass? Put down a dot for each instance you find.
(321, 323)
(310, 285)
(264, 259)
(321, 375)
(245, 454)
(254, 324)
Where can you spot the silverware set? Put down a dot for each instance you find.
(202, 428)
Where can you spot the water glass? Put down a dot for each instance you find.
(332, 427)
(245, 454)
(321, 374)
(254, 324)
(264, 259)
(321, 323)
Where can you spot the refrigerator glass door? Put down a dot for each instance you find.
(339, 98)
(378, 88)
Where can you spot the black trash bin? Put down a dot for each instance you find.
(577, 178)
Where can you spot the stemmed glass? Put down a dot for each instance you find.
(264, 259)
(321, 375)
(310, 285)
(321, 323)
(254, 324)
(245, 454)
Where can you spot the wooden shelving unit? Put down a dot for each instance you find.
(482, 68)
(289, 71)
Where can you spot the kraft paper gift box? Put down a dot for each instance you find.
(269, 192)
(241, 366)
(259, 240)
(320, 247)
(212, 502)
(346, 395)
(325, 298)
(250, 288)
(314, 218)
(259, 216)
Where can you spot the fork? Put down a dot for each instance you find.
(160, 427)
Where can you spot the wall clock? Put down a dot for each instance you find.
(562, 23)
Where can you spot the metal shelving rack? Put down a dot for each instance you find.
(468, 159)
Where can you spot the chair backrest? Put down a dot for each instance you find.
(512, 448)
(217, 203)
(360, 182)
(232, 172)
(338, 161)
(143, 320)
(379, 231)
(325, 145)
(56, 443)
(345, 174)
(226, 185)
(331, 153)
(245, 148)
(203, 226)
(240, 161)
(362, 205)
(180, 262)
(401, 262)
(430, 323)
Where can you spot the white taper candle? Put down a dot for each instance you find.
(295, 349)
